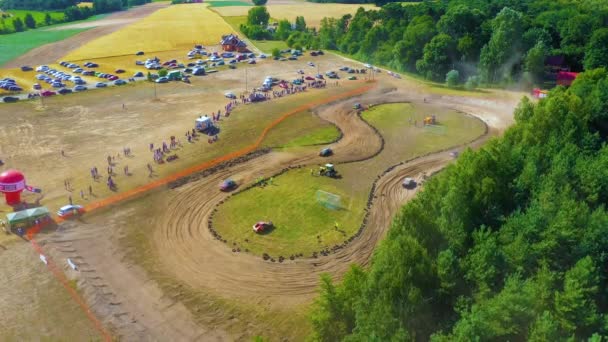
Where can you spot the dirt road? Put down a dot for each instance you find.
(51, 53)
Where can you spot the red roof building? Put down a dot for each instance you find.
(231, 42)
(565, 78)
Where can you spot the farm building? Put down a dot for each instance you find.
(565, 78)
(231, 42)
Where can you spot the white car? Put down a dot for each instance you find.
(367, 66)
(70, 210)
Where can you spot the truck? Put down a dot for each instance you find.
(174, 75)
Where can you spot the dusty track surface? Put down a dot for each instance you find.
(189, 252)
(52, 52)
(186, 250)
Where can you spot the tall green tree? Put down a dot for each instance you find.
(452, 78)
(503, 51)
(258, 15)
(437, 58)
(596, 53)
(29, 21)
(300, 24)
(418, 33)
(534, 62)
(283, 30)
(47, 19)
(575, 305)
(461, 20)
(18, 25)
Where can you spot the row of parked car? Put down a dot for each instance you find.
(9, 84)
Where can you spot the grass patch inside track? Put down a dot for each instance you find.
(302, 129)
(290, 203)
(302, 224)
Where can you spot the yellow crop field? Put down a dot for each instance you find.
(312, 12)
(176, 27)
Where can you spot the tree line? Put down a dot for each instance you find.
(71, 12)
(507, 244)
(497, 41)
(257, 26)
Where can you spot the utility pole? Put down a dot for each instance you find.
(155, 95)
(246, 88)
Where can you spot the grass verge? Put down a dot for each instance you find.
(302, 129)
(302, 225)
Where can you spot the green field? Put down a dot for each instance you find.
(15, 44)
(290, 201)
(302, 129)
(268, 45)
(228, 3)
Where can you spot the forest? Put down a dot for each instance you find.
(507, 244)
(497, 41)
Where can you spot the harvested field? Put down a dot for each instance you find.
(182, 26)
(50, 53)
(312, 12)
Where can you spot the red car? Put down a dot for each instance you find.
(113, 78)
(47, 93)
(261, 226)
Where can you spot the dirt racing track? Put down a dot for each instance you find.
(187, 251)
(190, 253)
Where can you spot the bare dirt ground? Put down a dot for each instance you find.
(50, 53)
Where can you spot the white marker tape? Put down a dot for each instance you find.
(43, 258)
